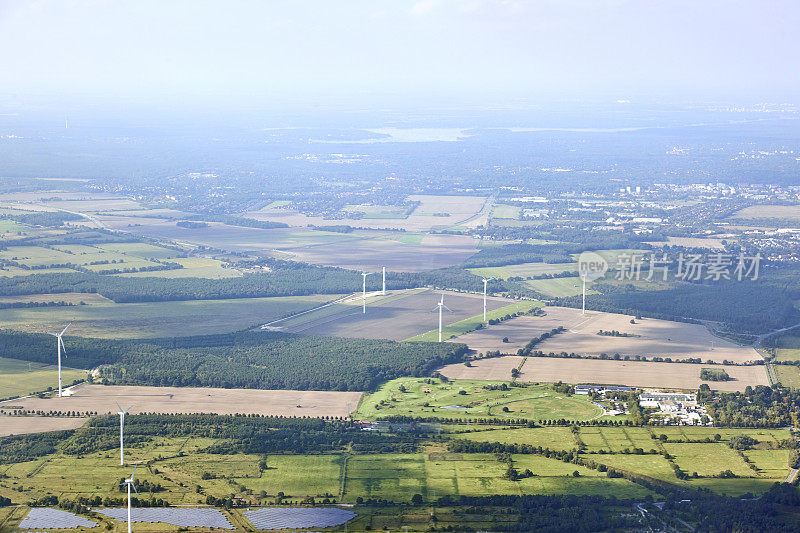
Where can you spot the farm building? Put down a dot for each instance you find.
(656, 399)
(600, 389)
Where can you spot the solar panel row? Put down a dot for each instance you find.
(282, 518)
(184, 517)
(44, 518)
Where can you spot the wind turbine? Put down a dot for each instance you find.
(441, 306)
(60, 344)
(129, 483)
(383, 292)
(364, 290)
(121, 424)
(485, 281)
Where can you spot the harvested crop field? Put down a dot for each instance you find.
(173, 400)
(691, 242)
(397, 316)
(493, 369)
(157, 319)
(653, 337)
(433, 251)
(21, 425)
(769, 211)
(631, 373)
(357, 249)
(432, 212)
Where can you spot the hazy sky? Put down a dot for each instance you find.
(717, 49)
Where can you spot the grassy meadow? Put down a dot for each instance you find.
(471, 324)
(157, 319)
(430, 397)
(20, 378)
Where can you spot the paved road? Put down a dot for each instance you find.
(792, 475)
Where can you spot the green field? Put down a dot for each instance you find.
(707, 459)
(104, 256)
(471, 324)
(179, 465)
(141, 250)
(434, 398)
(110, 256)
(20, 378)
(555, 438)
(559, 287)
(524, 270)
(193, 267)
(505, 211)
(788, 376)
(378, 211)
(158, 319)
(788, 348)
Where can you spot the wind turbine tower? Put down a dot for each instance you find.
(129, 483)
(364, 291)
(485, 281)
(60, 345)
(121, 425)
(583, 305)
(441, 306)
(383, 292)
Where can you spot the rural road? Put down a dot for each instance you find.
(323, 306)
(792, 475)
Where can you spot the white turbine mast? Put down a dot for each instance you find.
(583, 301)
(485, 281)
(60, 345)
(121, 425)
(441, 306)
(129, 483)
(364, 275)
(383, 292)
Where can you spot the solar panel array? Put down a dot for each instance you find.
(283, 517)
(44, 518)
(184, 516)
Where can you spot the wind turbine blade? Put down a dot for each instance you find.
(125, 412)
(63, 348)
(53, 334)
(65, 329)
(134, 472)
(434, 309)
(134, 488)
(447, 308)
(118, 406)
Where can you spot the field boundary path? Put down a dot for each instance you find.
(792, 475)
(323, 306)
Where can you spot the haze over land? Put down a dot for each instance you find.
(423, 265)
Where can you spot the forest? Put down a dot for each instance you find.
(263, 360)
(232, 434)
(282, 361)
(755, 407)
(745, 306)
(284, 279)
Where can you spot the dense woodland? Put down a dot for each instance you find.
(745, 306)
(755, 407)
(284, 279)
(264, 360)
(232, 434)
